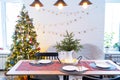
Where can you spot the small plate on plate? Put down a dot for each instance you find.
(44, 61)
(69, 68)
(33, 62)
(102, 65)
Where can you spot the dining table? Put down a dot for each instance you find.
(82, 68)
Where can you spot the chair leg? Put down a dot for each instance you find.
(65, 77)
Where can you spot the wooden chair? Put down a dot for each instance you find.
(50, 56)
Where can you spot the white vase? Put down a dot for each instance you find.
(66, 56)
(69, 56)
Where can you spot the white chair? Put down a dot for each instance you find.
(51, 49)
(90, 52)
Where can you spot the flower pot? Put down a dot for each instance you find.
(106, 49)
(67, 57)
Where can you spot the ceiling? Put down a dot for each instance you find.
(112, 1)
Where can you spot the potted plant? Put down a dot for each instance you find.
(108, 37)
(117, 45)
(68, 45)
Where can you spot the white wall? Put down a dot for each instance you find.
(87, 24)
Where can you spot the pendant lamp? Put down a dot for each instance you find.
(60, 4)
(36, 3)
(85, 2)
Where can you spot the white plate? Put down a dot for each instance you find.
(44, 61)
(102, 65)
(69, 68)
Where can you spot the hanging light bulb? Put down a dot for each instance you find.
(60, 4)
(85, 3)
(37, 4)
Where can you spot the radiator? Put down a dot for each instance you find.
(3, 57)
(114, 57)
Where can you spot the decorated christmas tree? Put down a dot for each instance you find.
(24, 44)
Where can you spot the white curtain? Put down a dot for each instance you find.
(112, 20)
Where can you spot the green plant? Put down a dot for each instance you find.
(108, 37)
(68, 43)
(116, 45)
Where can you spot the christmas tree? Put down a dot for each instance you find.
(24, 44)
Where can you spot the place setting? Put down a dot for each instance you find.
(99, 65)
(72, 69)
(40, 62)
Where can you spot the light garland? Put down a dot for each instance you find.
(62, 34)
(63, 23)
(66, 23)
(76, 13)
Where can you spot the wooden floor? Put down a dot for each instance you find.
(4, 77)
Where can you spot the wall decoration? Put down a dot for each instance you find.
(82, 32)
(76, 16)
(75, 13)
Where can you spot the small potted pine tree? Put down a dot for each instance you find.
(68, 46)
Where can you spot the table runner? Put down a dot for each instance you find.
(54, 66)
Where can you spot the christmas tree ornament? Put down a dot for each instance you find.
(38, 48)
(12, 62)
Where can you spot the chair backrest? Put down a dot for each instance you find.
(90, 52)
(51, 49)
(47, 55)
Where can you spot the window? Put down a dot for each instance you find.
(11, 18)
(9, 10)
(1, 45)
(112, 21)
